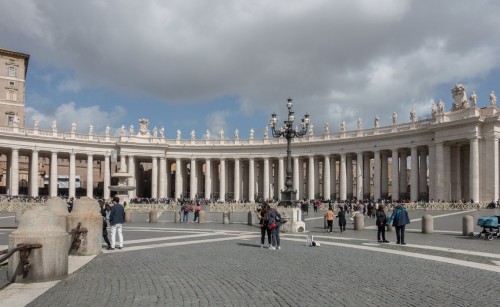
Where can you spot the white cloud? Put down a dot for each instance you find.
(217, 121)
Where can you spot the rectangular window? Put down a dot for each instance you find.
(12, 71)
(10, 120)
(11, 95)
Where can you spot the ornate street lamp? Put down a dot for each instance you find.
(288, 131)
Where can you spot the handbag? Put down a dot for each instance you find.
(272, 226)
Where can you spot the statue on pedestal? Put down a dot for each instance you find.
(73, 127)
(178, 134)
(91, 129)
(122, 130)
(155, 132)
(107, 130)
(221, 134)
(266, 133)
(473, 99)
(360, 123)
(311, 129)
(376, 121)
(207, 135)
(162, 132)
(493, 99)
(413, 115)
(193, 135)
(131, 130)
(143, 130)
(440, 107)
(54, 126)
(342, 126)
(36, 125)
(394, 118)
(252, 132)
(434, 110)
(459, 98)
(236, 134)
(325, 129)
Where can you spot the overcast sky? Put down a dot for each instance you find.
(215, 64)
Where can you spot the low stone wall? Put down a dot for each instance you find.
(237, 207)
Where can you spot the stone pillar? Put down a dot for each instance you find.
(266, 178)
(422, 173)
(316, 190)
(492, 169)
(237, 179)
(163, 174)
(72, 175)
(87, 212)
(326, 178)
(366, 173)
(131, 180)
(193, 182)
(439, 166)
(342, 178)
(359, 175)
(467, 225)
(226, 218)
(14, 165)
(427, 223)
(251, 180)
(202, 219)
(377, 176)
(178, 178)
(281, 176)
(153, 216)
(168, 178)
(301, 191)
(296, 175)
(403, 178)
(50, 262)
(446, 173)
(123, 164)
(90, 176)
(333, 175)
(310, 178)
(395, 175)
(474, 170)
(154, 177)
(432, 172)
(349, 174)
(414, 174)
(208, 178)
(34, 174)
(359, 221)
(456, 173)
(53, 174)
(107, 177)
(222, 178)
(384, 173)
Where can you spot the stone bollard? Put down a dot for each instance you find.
(427, 223)
(153, 216)
(87, 212)
(60, 208)
(177, 217)
(225, 218)
(50, 262)
(202, 219)
(467, 225)
(325, 222)
(251, 218)
(359, 222)
(128, 216)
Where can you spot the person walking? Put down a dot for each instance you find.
(342, 220)
(197, 213)
(400, 219)
(381, 222)
(263, 222)
(116, 220)
(274, 220)
(329, 219)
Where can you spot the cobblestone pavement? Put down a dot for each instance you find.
(212, 264)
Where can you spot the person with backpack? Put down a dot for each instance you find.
(274, 220)
(400, 219)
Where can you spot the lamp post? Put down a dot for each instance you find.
(289, 195)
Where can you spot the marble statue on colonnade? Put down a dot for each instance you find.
(311, 129)
(73, 127)
(236, 134)
(360, 123)
(493, 99)
(36, 123)
(473, 99)
(413, 115)
(325, 129)
(178, 134)
(394, 118)
(91, 129)
(54, 125)
(162, 132)
(193, 135)
(155, 132)
(143, 130)
(221, 134)
(252, 132)
(131, 130)
(342, 126)
(440, 107)
(207, 135)
(122, 130)
(107, 130)
(266, 133)
(376, 121)
(459, 95)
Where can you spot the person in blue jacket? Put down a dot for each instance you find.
(399, 219)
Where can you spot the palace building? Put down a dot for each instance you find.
(452, 155)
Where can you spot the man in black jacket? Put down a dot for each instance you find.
(116, 220)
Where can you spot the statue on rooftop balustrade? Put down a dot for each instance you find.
(459, 95)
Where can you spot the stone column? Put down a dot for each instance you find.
(14, 165)
(316, 177)
(377, 176)
(237, 179)
(333, 175)
(193, 182)
(349, 175)
(414, 174)
(53, 174)
(403, 178)
(492, 169)
(422, 175)
(222, 178)
(34, 174)
(281, 176)
(131, 180)
(107, 176)
(301, 191)
(456, 173)
(395, 175)
(296, 175)
(474, 169)
(168, 178)
(123, 163)
(251, 180)
(163, 174)
(384, 165)
(72, 175)
(359, 175)
(439, 166)
(366, 173)
(208, 178)
(90, 176)
(266, 178)
(342, 179)
(326, 178)
(432, 172)
(446, 173)
(178, 178)
(310, 178)
(154, 177)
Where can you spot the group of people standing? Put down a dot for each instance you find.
(270, 223)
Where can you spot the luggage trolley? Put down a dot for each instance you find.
(491, 223)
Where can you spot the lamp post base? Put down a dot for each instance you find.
(288, 198)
